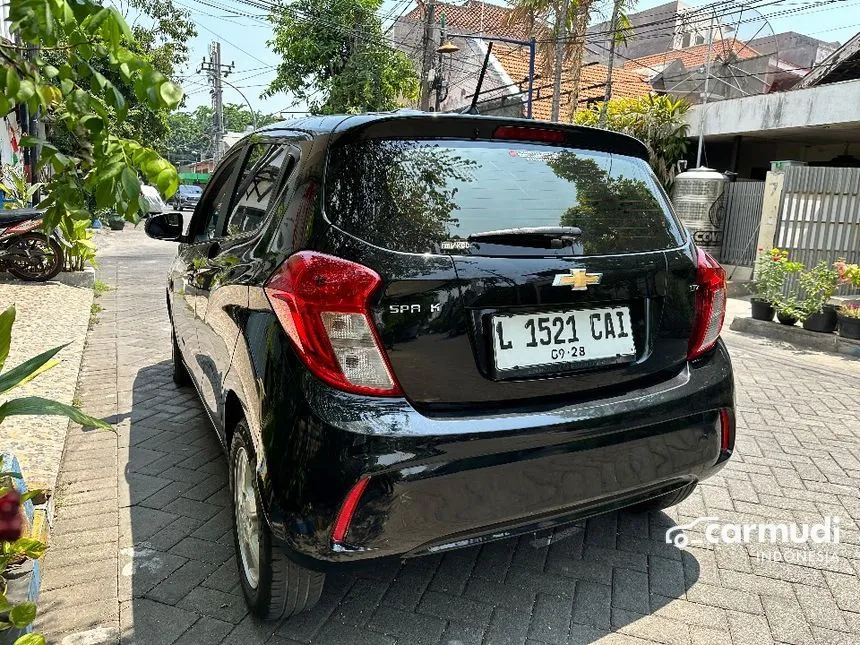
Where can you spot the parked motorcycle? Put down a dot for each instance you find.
(25, 251)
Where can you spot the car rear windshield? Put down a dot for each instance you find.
(425, 195)
(191, 190)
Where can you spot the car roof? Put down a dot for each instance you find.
(339, 123)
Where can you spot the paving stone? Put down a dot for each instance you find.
(550, 619)
(461, 634)
(464, 610)
(178, 584)
(215, 604)
(407, 625)
(146, 621)
(592, 604)
(786, 620)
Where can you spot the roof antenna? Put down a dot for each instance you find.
(473, 108)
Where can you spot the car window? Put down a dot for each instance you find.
(215, 201)
(254, 197)
(431, 196)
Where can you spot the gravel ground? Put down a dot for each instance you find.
(48, 314)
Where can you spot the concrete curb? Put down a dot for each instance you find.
(81, 279)
(798, 336)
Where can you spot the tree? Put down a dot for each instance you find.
(102, 169)
(657, 121)
(190, 133)
(335, 57)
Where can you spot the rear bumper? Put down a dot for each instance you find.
(445, 482)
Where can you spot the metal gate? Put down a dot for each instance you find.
(819, 215)
(743, 203)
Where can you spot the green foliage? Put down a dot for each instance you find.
(336, 58)
(190, 137)
(771, 270)
(818, 285)
(100, 287)
(79, 248)
(103, 167)
(657, 121)
(19, 193)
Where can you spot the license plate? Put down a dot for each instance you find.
(562, 338)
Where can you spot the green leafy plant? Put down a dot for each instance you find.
(789, 307)
(341, 64)
(657, 121)
(771, 270)
(850, 311)
(19, 193)
(13, 547)
(84, 108)
(818, 285)
(77, 238)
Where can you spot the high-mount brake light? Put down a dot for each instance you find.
(710, 308)
(322, 302)
(520, 133)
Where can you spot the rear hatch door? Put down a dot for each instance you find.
(515, 269)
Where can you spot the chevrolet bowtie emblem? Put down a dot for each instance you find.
(577, 279)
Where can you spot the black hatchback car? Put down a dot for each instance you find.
(415, 333)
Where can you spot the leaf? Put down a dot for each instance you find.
(30, 494)
(171, 94)
(7, 318)
(34, 405)
(130, 183)
(31, 547)
(29, 369)
(23, 614)
(31, 639)
(13, 83)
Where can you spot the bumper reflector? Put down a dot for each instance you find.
(347, 509)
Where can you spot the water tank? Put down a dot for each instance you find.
(698, 199)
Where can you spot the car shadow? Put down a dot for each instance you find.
(179, 579)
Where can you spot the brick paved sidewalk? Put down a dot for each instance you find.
(142, 548)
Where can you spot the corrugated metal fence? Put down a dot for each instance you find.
(819, 217)
(743, 202)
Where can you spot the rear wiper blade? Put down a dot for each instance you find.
(549, 237)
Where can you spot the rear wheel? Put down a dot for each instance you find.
(274, 585)
(34, 257)
(180, 372)
(667, 500)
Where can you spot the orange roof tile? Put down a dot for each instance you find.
(592, 82)
(694, 56)
(474, 17)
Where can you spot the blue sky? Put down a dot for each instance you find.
(243, 41)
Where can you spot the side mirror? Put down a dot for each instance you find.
(165, 226)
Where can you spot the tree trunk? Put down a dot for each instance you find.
(583, 15)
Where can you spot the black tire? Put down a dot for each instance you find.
(283, 588)
(667, 500)
(45, 257)
(180, 372)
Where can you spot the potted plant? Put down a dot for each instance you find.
(818, 286)
(116, 221)
(771, 270)
(788, 311)
(849, 274)
(849, 321)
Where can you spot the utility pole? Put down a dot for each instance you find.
(216, 72)
(427, 59)
(607, 91)
(559, 55)
(437, 81)
(705, 93)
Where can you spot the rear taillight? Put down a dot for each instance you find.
(710, 304)
(322, 302)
